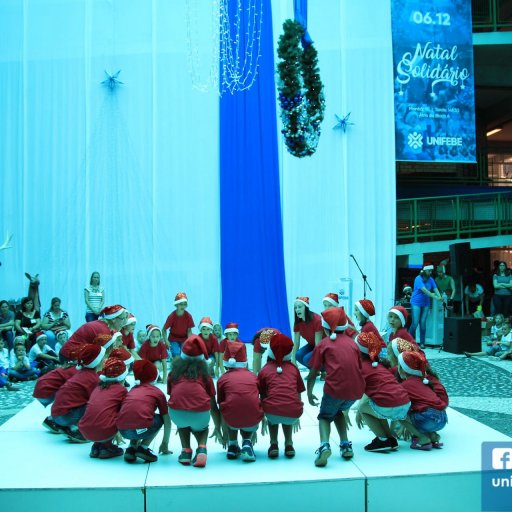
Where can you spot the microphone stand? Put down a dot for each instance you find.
(365, 280)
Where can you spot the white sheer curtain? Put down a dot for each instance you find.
(341, 201)
(123, 183)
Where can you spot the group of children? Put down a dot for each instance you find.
(399, 394)
(500, 341)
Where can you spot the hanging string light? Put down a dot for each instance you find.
(235, 43)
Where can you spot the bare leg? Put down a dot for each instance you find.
(273, 431)
(378, 426)
(184, 434)
(341, 426)
(201, 437)
(288, 435)
(324, 427)
(422, 437)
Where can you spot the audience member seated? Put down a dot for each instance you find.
(20, 368)
(6, 324)
(27, 321)
(41, 355)
(54, 321)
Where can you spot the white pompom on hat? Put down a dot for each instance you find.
(235, 355)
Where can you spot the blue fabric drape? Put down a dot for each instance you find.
(300, 13)
(252, 262)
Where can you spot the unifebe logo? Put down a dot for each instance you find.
(415, 140)
(502, 458)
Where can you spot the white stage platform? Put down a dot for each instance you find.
(44, 471)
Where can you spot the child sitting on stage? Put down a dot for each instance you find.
(99, 423)
(280, 386)
(137, 420)
(192, 398)
(239, 402)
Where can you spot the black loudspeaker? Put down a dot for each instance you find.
(460, 259)
(462, 335)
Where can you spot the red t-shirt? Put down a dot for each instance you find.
(423, 396)
(99, 422)
(128, 341)
(84, 334)
(382, 387)
(139, 406)
(369, 326)
(190, 395)
(178, 326)
(341, 360)
(75, 392)
(280, 391)
(48, 384)
(402, 333)
(152, 354)
(308, 330)
(258, 348)
(222, 344)
(238, 398)
(212, 345)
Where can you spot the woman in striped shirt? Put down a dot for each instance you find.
(94, 298)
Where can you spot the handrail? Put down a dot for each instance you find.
(460, 216)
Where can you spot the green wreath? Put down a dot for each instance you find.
(300, 89)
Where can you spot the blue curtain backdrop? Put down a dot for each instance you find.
(252, 264)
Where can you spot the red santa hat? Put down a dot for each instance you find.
(414, 363)
(130, 320)
(123, 354)
(365, 307)
(114, 370)
(206, 321)
(332, 298)
(39, 335)
(231, 327)
(369, 344)
(180, 297)
(194, 348)
(235, 355)
(428, 266)
(280, 350)
(401, 313)
(407, 288)
(90, 356)
(266, 335)
(111, 312)
(399, 345)
(104, 340)
(150, 328)
(144, 371)
(334, 319)
(302, 300)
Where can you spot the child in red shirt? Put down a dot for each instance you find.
(179, 323)
(211, 343)
(344, 382)
(397, 319)
(280, 386)
(428, 401)
(307, 325)
(363, 310)
(137, 420)
(384, 399)
(239, 402)
(154, 350)
(260, 343)
(192, 399)
(72, 397)
(231, 334)
(127, 333)
(99, 423)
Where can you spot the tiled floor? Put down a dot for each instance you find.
(477, 387)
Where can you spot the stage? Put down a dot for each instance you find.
(44, 471)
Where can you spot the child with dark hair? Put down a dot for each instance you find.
(364, 309)
(20, 368)
(260, 343)
(211, 343)
(231, 333)
(280, 386)
(239, 402)
(192, 400)
(397, 319)
(179, 323)
(307, 325)
(99, 423)
(154, 350)
(138, 421)
(72, 397)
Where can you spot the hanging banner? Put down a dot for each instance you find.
(434, 80)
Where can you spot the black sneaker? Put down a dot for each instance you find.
(129, 455)
(378, 445)
(95, 450)
(346, 451)
(247, 453)
(74, 435)
(233, 452)
(322, 454)
(109, 451)
(145, 454)
(52, 426)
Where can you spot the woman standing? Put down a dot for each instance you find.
(27, 321)
(54, 321)
(307, 325)
(425, 288)
(94, 296)
(502, 282)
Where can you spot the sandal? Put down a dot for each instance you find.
(416, 446)
(289, 451)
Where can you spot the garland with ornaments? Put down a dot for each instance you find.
(300, 89)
